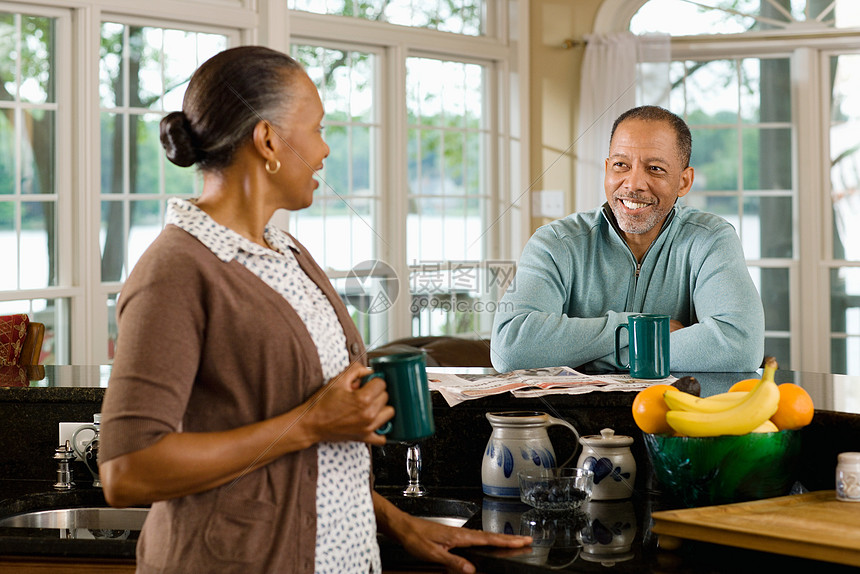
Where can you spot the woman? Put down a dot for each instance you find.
(234, 405)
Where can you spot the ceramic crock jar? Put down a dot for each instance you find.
(608, 456)
(610, 532)
(848, 477)
(519, 442)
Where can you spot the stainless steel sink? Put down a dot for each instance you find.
(107, 522)
(448, 511)
(93, 522)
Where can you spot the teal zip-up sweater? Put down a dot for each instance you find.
(577, 280)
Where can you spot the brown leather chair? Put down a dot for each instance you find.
(31, 349)
(441, 351)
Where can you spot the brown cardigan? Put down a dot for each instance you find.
(205, 346)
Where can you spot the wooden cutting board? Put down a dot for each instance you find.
(811, 525)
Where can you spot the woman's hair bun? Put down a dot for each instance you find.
(178, 140)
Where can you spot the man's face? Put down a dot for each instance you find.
(644, 175)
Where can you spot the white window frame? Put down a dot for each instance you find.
(394, 45)
(265, 22)
(815, 274)
(78, 173)
(66, 125)
(102, 290)
(809, 271)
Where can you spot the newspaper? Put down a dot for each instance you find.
(456, 388)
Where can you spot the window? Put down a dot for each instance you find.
(739, 113)
(448, 194)
(29, 189)
(844, 77)
(407, 217)
(732, 17)
(751, 104)
(94, 79)
(143, 73)
(341, 227)
(458, 16)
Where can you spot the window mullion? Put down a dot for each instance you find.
(813, 315)
(395, 208)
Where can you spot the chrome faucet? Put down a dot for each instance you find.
(413, 469)
(64, 454)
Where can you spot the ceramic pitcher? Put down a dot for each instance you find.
(519, 441)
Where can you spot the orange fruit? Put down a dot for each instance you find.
(795, 408)
(649, 410)
(744, 385)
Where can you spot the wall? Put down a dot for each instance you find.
(554, 93)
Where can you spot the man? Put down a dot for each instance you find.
(581, 276)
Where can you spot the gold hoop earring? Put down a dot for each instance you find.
(273, 170)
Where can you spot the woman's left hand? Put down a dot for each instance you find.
(432, 541)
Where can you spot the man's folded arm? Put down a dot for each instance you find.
(729, 334)
(531, 329)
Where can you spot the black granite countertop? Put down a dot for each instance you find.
(450, 469)
(616, 536)
(602, 536)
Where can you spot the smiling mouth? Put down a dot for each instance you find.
(630, 204)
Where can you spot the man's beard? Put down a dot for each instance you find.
(637, 224)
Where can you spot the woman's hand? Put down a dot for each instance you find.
(344, 409)
(431, 541)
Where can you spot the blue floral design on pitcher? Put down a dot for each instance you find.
(505, 459)
(541, 457)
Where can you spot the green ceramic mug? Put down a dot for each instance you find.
(648, 346)
(405, 376)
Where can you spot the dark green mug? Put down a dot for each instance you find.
(648, 348)
(405, 376)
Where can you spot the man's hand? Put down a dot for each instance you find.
(431, 541)
(674, 325)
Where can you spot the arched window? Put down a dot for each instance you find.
(732, 17)
(771, 90)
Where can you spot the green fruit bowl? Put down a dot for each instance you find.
(701, 471)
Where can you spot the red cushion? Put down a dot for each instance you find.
(13, 331)
(13, 376)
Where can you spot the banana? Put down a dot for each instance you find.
(681, 401)
(732, 398)
(766, 426)
(755, 408)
